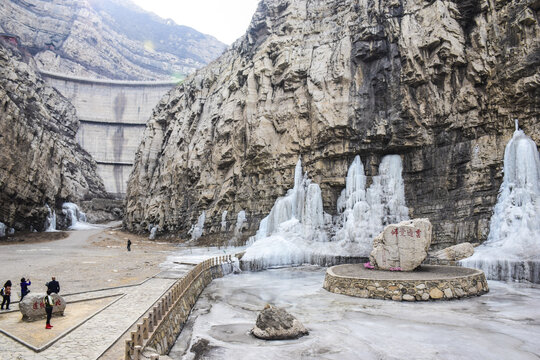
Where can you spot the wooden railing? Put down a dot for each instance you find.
(145, 329)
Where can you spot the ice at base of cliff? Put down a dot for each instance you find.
(512, 250)
(76, 216)
(298, 231)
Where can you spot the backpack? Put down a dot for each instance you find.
(2, 292)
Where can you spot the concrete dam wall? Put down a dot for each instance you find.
(113, 115)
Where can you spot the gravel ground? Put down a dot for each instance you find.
(84, 260)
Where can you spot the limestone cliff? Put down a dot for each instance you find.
(40, 162)
(438, 82)
(106, 39)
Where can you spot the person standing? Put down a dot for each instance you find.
(53, 285)
(129, 245)
(24, 287)
(49, 302)
(6, 295)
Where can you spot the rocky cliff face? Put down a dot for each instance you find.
(106, 39)
(438, 82)
(40, 162)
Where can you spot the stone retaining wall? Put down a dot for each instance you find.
(407, 290)
(159, 330)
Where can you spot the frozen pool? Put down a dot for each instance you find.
(503, 324)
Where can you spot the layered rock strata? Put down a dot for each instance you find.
(112, 39)
(437, 82)
(40, 162)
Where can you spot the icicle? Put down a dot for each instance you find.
(297, 228)
(224, 221)
(50, 222)
(197, 229)
(153, 232)
(240, 220)
(513, 238)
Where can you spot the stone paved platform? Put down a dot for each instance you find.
(95, 336)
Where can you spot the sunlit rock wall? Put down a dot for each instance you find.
(438, 82)
(112, 39)
(40, 162)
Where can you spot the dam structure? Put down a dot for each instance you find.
(113, 116)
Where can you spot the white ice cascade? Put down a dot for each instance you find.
(76, 218)
(224, 221)
(512, 249)
(240, 220)
(364, 213)
(3, 228)
(297, 230)
(197, 229)
(50, 222)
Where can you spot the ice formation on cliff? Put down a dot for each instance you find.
(512, 250)
(298, 231)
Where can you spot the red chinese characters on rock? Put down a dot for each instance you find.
(42, 304)
(408, 232)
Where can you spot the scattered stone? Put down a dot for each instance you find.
(456, 252)
(33, 308)
(402, 245)
(448, 293)
(408, 297)
(274, 323)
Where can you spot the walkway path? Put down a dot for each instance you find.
(91, 339)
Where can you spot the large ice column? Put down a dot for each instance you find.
(224, 221)
(76, 217)
(50, 222)
(512, 250)
(364, 213)
(240, 220)
(297, 229)
(197, 229)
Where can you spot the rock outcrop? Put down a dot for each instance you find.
(403, 246)
(438, 82)
(275, 323)
(455, 252)
(41, 163)
(106, 39)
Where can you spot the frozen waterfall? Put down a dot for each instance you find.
(50, 222)
(240, 220)
(75, 217)
(298, 231)
(196, 230)
(512, 250)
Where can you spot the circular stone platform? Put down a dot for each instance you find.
(428, 282)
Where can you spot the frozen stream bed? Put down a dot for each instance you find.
(503, 324)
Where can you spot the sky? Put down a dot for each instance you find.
(226, 20)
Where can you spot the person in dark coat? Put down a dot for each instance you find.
(49, 302)
(24, 287)
(53, 285)
(129, 245)
(6, 295)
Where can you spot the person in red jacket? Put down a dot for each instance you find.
(6, 294)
